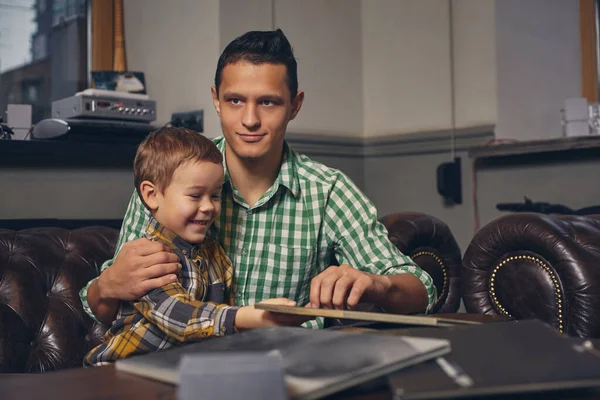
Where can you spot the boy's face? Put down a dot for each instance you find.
(255, 106)
(191, 202)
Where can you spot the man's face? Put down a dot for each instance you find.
(255, 106)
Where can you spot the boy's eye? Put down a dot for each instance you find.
(194, 196)
(216, 196)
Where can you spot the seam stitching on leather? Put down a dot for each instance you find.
(444, 272)
(548, 271)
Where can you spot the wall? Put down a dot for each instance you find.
(328, 54)
(378, 68)
(406, 89)
(237, 17)
(326, 40)
(408, 64)
(474, 61)
(538, 64)
(59, 192)
(403, 177)
(175, 44)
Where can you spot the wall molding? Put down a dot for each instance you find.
(390, 145)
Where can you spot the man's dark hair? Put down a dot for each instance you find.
(260, 47)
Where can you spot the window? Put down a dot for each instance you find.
(40, 48)
(43, 52)
(66, 10)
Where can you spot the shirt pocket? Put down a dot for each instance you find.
(286, 272)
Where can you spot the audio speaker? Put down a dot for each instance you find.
(449, 184)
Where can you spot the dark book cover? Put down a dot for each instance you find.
(315, 362)
(499, 359)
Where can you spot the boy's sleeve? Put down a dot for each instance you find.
(136, 218)
(361, 241)
(171, 309)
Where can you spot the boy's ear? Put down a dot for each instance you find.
(215, 98)
(149, 194)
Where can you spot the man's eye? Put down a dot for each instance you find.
(267, 102)
(235, 101)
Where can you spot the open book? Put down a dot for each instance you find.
(316, 362)
(365, 316)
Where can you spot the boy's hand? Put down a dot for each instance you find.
(249, 317)
(140, 266)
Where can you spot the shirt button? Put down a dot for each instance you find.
(244, 252)
(184, 251)
(249, 212)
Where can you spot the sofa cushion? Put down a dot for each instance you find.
(42, 323)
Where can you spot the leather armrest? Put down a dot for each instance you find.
(429, 242)
(528, 265)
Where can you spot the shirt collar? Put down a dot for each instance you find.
(155, 230)
(287, 173)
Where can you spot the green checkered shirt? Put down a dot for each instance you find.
(311, 214)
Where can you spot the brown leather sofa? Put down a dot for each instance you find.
(528, 265)
(44, 328)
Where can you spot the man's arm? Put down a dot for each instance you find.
(372, 270)
(139, 266)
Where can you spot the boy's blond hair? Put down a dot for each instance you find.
(165, 149)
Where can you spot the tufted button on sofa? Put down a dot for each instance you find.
(528, 265)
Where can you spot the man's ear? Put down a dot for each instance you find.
(149, 194)
(297, 104)
(216, 102)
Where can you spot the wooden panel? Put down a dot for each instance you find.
(119, 62)
(102, 35)
(587, 17)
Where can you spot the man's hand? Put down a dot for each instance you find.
(343, 287)
(140, 266)
(249, 317)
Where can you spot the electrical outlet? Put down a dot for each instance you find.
(189, 119)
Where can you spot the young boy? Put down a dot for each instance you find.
(179, 175)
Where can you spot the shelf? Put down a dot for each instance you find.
(66, 153)
(536, 147)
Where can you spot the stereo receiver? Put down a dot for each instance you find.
(104, 107)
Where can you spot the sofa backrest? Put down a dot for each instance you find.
(42, 324)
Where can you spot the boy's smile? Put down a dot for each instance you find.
(192, 201)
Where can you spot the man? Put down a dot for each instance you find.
(284, 216)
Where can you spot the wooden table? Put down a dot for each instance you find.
(107, 383)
